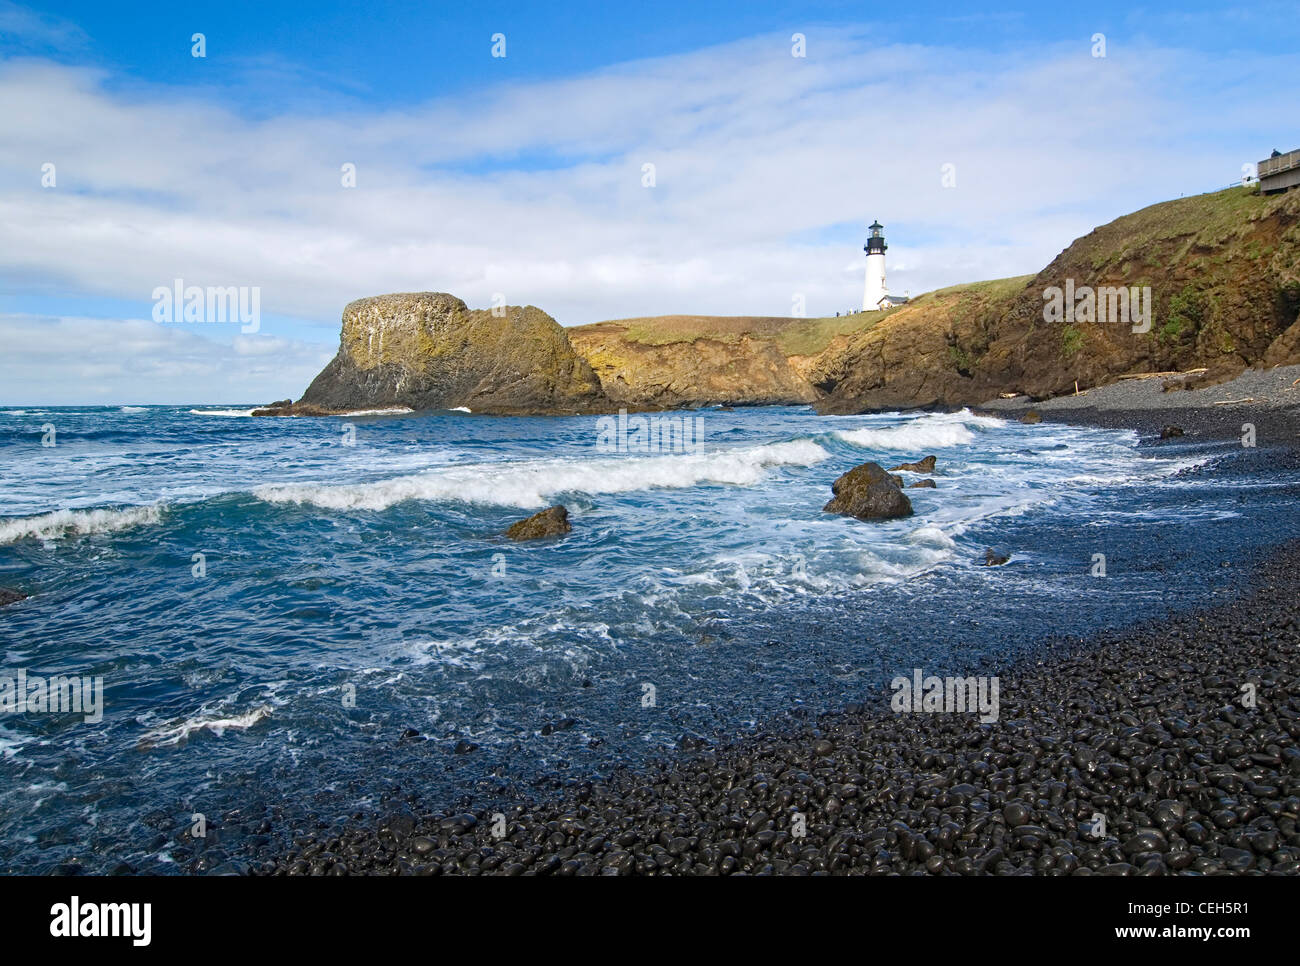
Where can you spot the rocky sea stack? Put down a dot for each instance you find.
(428, 350)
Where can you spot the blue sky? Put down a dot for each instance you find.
(523, 176)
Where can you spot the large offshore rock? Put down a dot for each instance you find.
(427, 350)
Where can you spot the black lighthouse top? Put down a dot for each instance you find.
(876, 243)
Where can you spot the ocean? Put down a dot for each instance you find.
(301, 620)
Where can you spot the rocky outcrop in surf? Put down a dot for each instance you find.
(428, 350)
(868, 493)
(920, 466)
(551, 522)
(8, 596)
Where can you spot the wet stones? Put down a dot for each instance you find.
(993, 558)
(1171, 432)
(1031, 417)
(8, 596)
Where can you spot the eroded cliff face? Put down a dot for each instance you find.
(427, 350)
(1224, 274)
(738, 368)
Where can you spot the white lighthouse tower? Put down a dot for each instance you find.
(875, 249)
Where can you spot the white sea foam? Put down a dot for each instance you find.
(132, 410)
(221, 412)
(64, 523)
(176, 732)
(391, 411)
(460, 409)
(922, 433)
(531, 483)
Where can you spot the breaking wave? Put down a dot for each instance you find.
(925, 432)
(531, 483)
(65, 523)
(178, 732)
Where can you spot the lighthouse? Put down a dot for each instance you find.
(875, 249)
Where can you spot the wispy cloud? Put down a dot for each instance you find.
(24, 28)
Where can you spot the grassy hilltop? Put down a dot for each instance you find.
(1224, 271)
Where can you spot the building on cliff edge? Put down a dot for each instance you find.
(876, 295)
(1278, 173)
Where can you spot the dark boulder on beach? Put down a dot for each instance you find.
(922, 485)
(551, 522)
(1171, 432)
(920, 466)
(1031, 417)
(8, 596)
(868, 493)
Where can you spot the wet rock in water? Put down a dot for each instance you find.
(8, 596)
(868, 493)
(922, 484)
(691, 742)
(464, 747)
(1171, 432)
(994, 559)
(920, 466)
(286, 407)
(1031, 417)
(551, 522)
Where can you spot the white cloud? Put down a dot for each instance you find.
(77, 361)
(534, 191)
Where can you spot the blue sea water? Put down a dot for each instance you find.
(356, 584)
